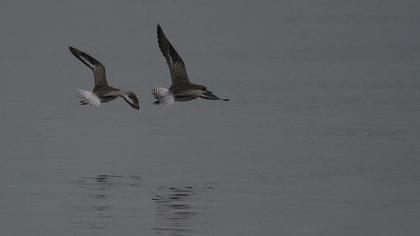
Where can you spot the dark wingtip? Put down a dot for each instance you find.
(134, 106)
(159, 30)
(73, 50)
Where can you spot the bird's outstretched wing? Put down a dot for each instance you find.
(175, 63)
(97, 67)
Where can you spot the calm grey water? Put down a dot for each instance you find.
(321, 136)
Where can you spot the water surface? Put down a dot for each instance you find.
(321, 136)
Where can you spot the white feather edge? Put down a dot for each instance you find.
(163, 96)
(89, 64)
(88, 97)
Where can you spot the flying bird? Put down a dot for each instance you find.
(102, 92)
(181, 89)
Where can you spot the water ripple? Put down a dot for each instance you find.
(178, 209)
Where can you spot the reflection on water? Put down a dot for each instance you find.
(179, 210)
(96, 199)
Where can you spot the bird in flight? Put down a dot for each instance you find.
(181, 89)
(102, 92)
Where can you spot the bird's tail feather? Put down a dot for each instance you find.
(88, 98)
(163, 96)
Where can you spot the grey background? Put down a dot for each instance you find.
(321, 136)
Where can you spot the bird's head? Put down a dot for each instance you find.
(207, 94)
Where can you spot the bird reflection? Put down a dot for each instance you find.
(177, 209)
(93, 208)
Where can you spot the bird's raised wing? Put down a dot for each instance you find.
(175, 63)
(97, 67)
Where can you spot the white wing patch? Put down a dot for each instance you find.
(163, 96)
(87, 62)
(88, 98)
(128, 99)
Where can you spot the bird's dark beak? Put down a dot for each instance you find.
(210, 96)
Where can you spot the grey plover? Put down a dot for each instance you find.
(102, 92)
(181, 89)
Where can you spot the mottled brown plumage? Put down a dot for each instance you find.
(102, 90)
(181, 89)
